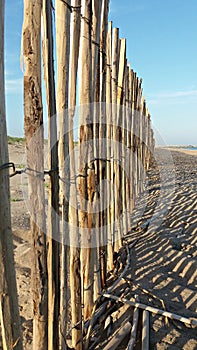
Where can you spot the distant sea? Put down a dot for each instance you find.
(191, 148)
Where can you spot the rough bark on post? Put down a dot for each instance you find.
(75, 266)
(148, 142)
(35, 161)
(128, 144)
(53, 197)
(140, 165)
(109, 136)
(131, 137)
(102, 143)
(118, 192)
(144, 133)
(96, 23)
(125, 153)
(87, 179)
(138, 110)
(135, 137)
(9, 312)
(63, 53)
(115, 64)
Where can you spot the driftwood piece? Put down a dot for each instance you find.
(119, 337)
(90, 328)
(134, 327)
(171, 315)
(145, 330)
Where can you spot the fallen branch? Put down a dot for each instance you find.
(114, 285)
(145, 291)
(119, 337)
(95, 316)
(90, 326)
(128, 247)
(134, 327)
(145, 330)
(152, 309)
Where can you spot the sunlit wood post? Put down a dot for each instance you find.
(53, 197)
(75, 265)
(34, 134)
(9, 312)
(63, 56)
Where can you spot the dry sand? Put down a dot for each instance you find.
(163, 269)
(164, 260)
(185, 151)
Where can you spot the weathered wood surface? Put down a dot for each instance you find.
(133, 334)
(145, 330)
(75, 265)
(53, 196)
(63, 56)
(154, 310)
(9, 312)
(69, 275)
(33, 114)
(87, 181)
(119, 337)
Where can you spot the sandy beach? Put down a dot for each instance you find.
(185, 151)
(163, 269)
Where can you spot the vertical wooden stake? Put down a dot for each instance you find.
(115, 64)
(9, 312)
(109, 136)
(118, 155)
(87, 181)
(75, 266)
(63, 55)
(53, 198)
(35, 160)
(96, 24)
(102, 136)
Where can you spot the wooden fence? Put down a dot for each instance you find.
(94, 182)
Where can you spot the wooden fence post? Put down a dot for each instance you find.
(133, 139)
(109, 137)
(63, 55)
(53, 197)
(129, 148)
(118, 153)
(102, 144)
(9, 312)
(75, 265)
(87, 171)
(115, 64)
(96, 25)
(126, 155)
(35, 161)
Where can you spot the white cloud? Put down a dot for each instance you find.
(13, 86)
(171, 95)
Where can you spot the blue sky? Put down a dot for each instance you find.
(162, 49)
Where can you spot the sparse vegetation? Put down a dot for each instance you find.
(46, 185)
(20, 166)
(16, 199)
(13, 139)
